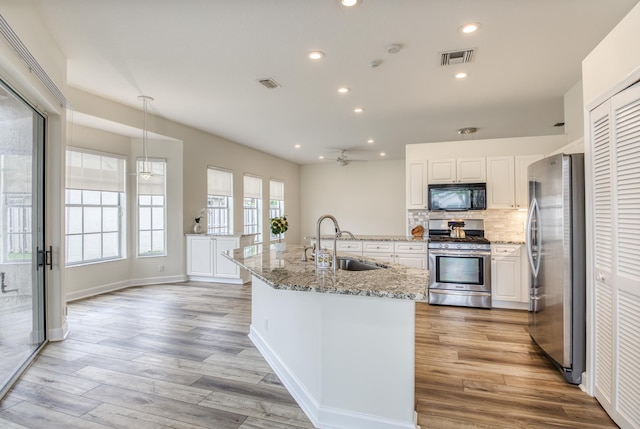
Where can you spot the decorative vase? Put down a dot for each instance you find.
(197, 228)
(280, 246)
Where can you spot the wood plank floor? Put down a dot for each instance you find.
(479, 369)
(178, 356)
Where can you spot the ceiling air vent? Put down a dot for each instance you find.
(457, 57)
(269, 83)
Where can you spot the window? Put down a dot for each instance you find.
(253, 207)
(94, 202)
(219, 201)
(276, 202)
(16, 202)
(152, 208)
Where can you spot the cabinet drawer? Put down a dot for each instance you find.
(378, 246)
(505, 250)
(349, 246)
(409, 247)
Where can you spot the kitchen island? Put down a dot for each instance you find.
(342, 343)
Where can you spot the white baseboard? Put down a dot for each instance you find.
(58, 334)
(227, 280)
(110, 287)
(322, 417)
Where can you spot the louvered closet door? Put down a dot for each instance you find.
(626, 266)
(603, 258)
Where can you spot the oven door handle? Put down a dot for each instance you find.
(459, 253)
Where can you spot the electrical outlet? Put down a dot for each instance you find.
(266, 325)
(161, 268)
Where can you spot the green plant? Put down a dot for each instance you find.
(279, 225)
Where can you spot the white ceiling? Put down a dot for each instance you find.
(201, 59)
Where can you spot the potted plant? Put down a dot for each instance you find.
(279, 226)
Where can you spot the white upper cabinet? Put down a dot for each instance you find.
(501, 182)
(416, 184)
(471, 170)
(462, 170)
(507, 181)
(522, 179)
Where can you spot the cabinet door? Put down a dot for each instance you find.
(349, 246)
(200, 256)
(415, 260)
(379, 257)
(222, 266)
(416, 185)
(505, 278)
(501, 183)
(442, 171)
(522, 179)
(471, 170)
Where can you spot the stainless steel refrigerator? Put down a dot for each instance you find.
(556, 250)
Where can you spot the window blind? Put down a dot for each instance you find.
(95, 171)
(252, 187)
(276, 190)
(219, 182)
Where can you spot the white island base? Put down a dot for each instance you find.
(347, 360)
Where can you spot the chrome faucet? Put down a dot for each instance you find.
(353, 237)
(335, 236)
(304, 252)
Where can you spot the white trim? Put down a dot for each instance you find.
(226, 280)
(58, 334)
(110, 287)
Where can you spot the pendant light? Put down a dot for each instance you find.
(145, 174)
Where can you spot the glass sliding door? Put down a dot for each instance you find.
(22, 259)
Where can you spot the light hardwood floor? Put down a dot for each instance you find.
(177, 356)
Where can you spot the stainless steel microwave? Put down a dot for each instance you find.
(458, 196)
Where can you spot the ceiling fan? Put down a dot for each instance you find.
(344, 160)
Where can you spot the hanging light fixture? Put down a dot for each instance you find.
(145, 174)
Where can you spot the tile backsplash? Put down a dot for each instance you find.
(499, 225)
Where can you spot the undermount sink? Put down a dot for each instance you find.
(352, 264)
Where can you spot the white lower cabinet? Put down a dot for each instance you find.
(206, 263)
(412, 254)
(506, 277)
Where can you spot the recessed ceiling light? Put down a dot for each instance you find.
(358, 110)
(343, 90)
(370, 141)
(471, 27)
(315, 55)
(321, 157)
(461, 75)
(350, 3)
(297, 146)
(383, 154)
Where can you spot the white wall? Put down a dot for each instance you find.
(574, 113)
(486, 147)
(614, 62)
(365, 197)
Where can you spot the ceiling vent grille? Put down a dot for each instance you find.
(457, 57)
(269, 83)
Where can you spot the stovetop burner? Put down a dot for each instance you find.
(468, 239)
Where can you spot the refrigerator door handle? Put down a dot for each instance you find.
(533, 212)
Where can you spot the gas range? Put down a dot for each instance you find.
(460, 267)
(440, 230)
(470, 243)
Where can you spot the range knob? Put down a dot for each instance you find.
(459, 246)
(445, 246)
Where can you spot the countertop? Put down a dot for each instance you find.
(285, 270)
(373, 238)
(220, 235)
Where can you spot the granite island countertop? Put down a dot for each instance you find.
(286, 271)
(373, 238)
